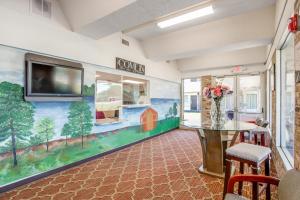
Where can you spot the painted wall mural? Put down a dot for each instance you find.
(36, 137)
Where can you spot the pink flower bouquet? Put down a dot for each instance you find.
(216, 92)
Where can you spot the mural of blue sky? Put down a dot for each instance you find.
(11, 65)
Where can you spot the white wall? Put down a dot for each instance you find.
(284, 8)
(250, 69)
(34, 33)
(224, 59)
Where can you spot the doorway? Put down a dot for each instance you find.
(247, 101)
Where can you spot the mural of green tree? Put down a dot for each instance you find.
(80, 119)
(66, 131)
(45, 129)
(175, 111)
(171, 111)
(36, 140)
(16, 116)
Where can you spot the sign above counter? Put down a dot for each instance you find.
(129, 66)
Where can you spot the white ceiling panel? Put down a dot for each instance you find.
(222, 9)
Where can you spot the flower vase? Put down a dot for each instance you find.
(217, 113)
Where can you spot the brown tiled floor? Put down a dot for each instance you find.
(164, 167)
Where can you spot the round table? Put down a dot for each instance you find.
(230, 125)
(214, 140)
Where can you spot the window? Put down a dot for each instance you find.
(251, 101)
(192, 97)
(228, 102)
(287, 98)
(108, 98)
(249, 93)
(134, 91)
(115, 91)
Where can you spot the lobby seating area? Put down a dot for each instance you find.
(150, 100)
(165, 167)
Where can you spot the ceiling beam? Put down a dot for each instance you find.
(135, 13)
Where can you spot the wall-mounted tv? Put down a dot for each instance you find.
(51, 79)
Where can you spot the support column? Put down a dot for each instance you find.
(205, 103)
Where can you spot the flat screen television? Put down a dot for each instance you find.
(47, 81)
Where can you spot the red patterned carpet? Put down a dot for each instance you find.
(164, 167)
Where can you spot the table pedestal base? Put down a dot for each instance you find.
(204, 171)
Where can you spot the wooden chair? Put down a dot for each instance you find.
(250, 154)
(261, 134)
(288, 186)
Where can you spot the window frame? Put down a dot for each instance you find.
(280, 87)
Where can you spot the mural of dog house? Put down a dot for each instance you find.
(148, 119)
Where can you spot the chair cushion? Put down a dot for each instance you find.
(234, 197)
(250, 152)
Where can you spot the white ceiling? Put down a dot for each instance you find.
(237, 29)
(83, 12)
(247, 30)
(222, 9)
(99, 18)
(137, 18)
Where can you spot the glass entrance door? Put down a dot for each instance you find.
(249, 97)
(246, 102)
(229, 103)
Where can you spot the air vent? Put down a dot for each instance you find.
(41, 7)
(125, 42)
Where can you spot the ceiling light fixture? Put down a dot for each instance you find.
(186, 17)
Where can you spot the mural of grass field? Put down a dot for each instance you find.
(33, 162)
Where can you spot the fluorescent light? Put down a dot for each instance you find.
(186, 17)
(132, 81)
